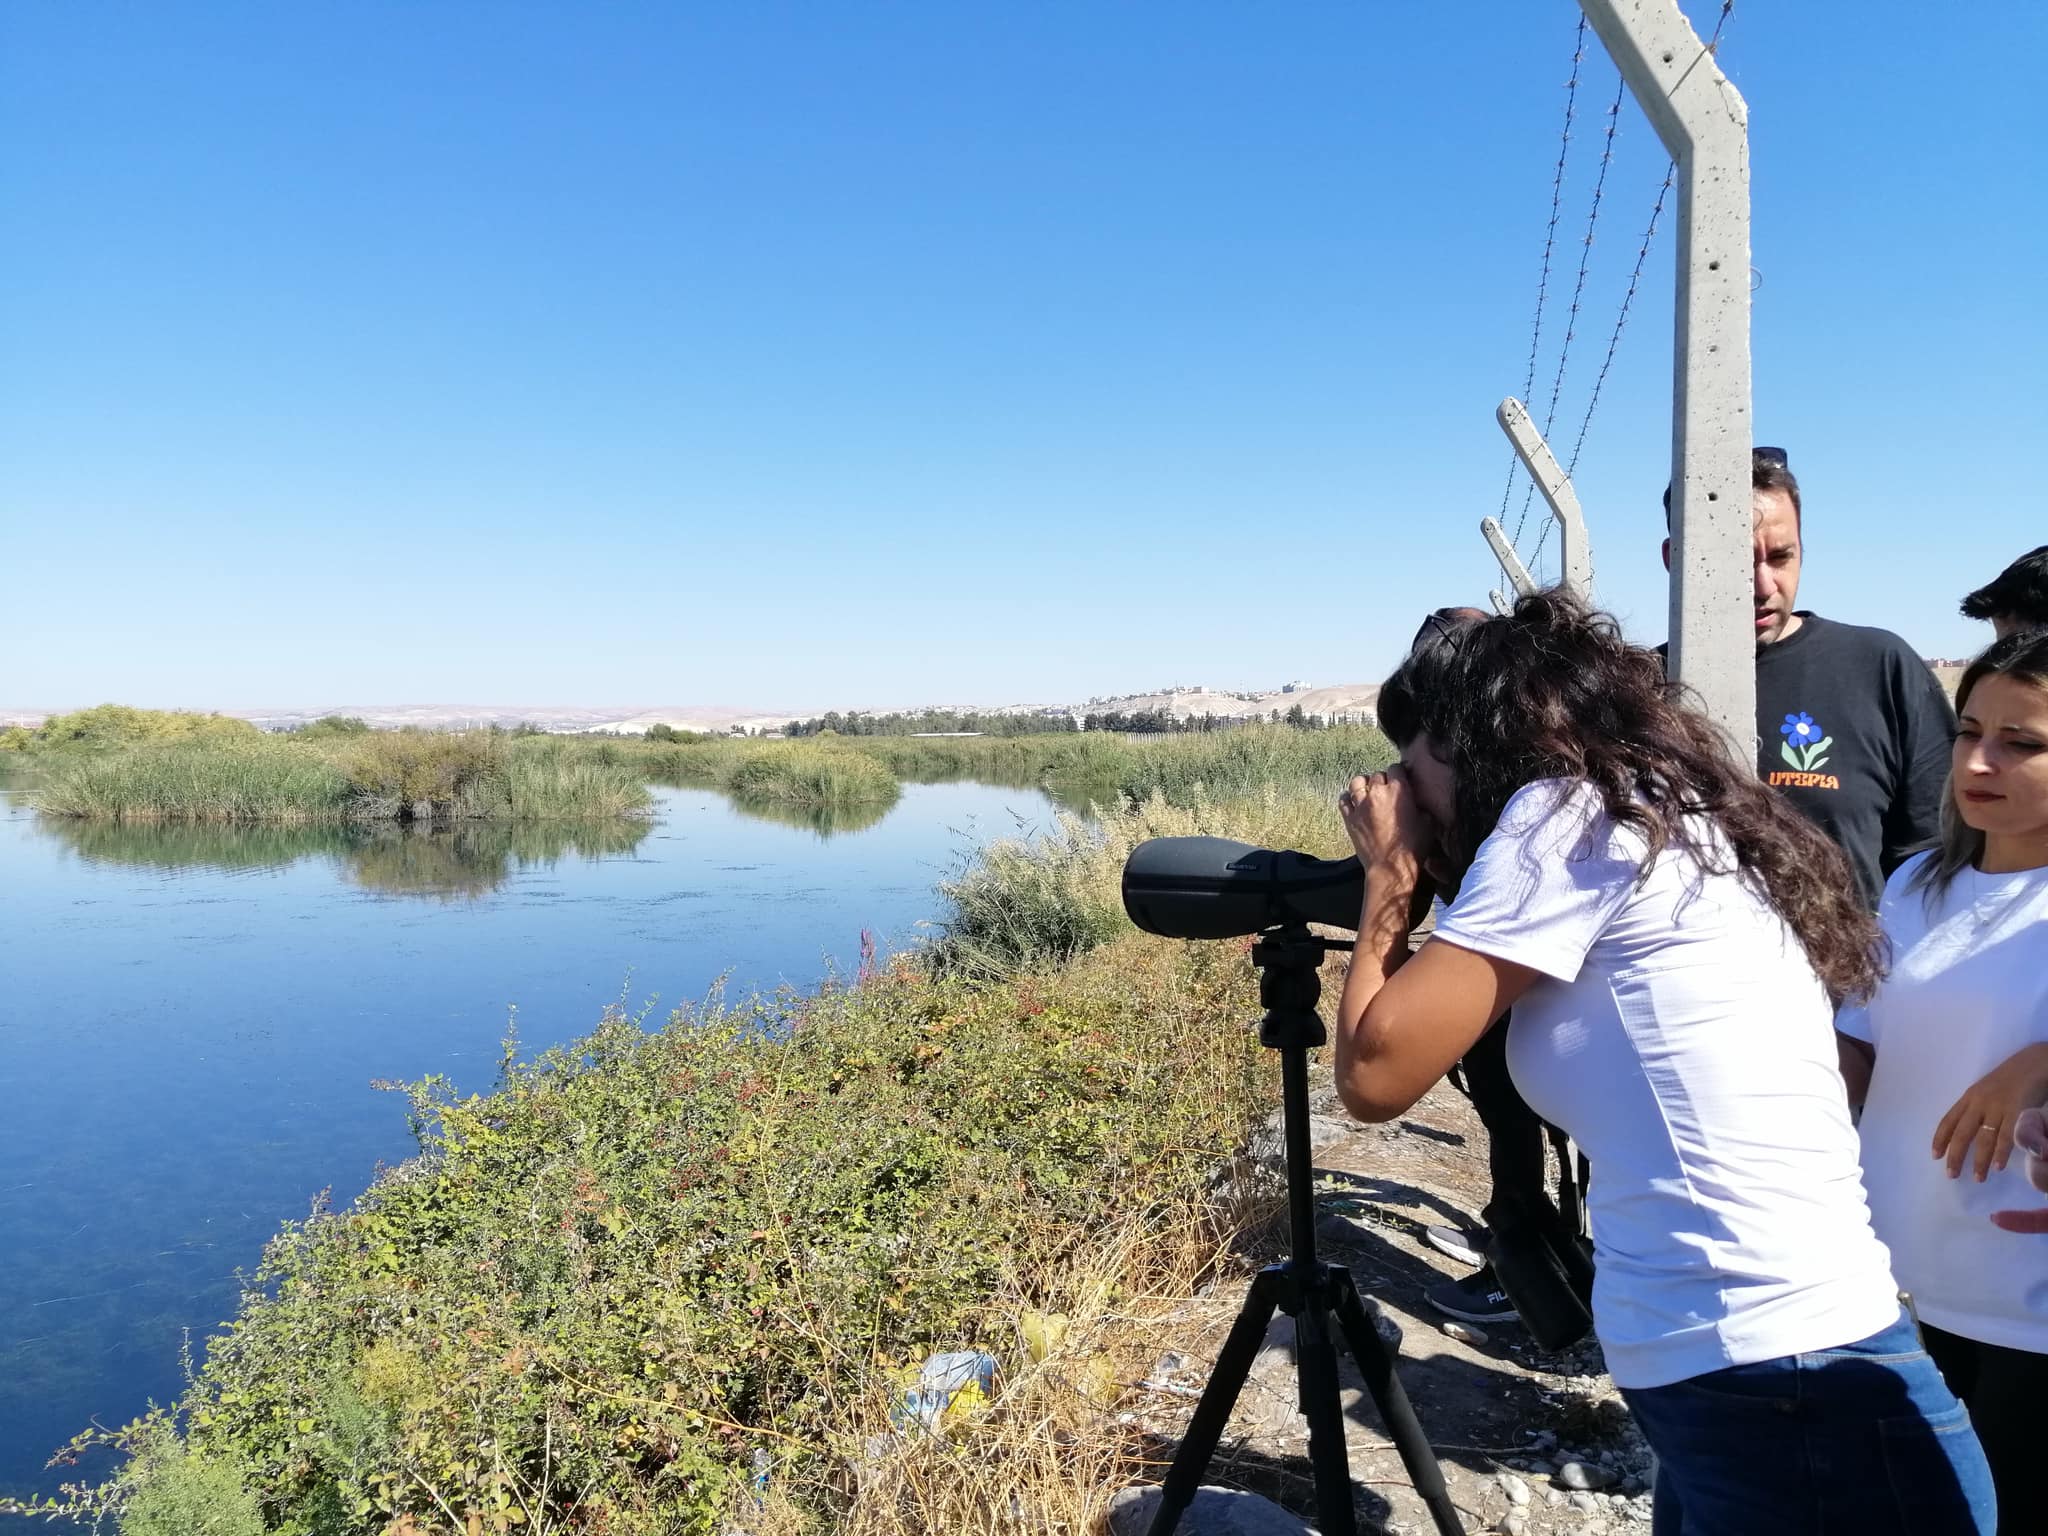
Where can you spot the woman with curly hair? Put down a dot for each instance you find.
(1673, 939)
(1952, 1051)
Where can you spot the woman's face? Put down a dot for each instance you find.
(1430, 777)
(2000, 767)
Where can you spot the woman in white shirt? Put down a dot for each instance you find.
(1670, 935)
(1952, 1050)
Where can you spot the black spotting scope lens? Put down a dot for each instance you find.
(1213, 888)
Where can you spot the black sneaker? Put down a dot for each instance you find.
(1475, 1299)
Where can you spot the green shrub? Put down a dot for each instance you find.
(426, 775)
(119, 725)
(329, 727)
(175, 1493)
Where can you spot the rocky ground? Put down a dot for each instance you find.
(1530, 1442)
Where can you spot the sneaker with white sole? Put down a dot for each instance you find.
(1475, 1299)
(1462, 1246)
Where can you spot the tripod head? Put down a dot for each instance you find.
(1289, 959)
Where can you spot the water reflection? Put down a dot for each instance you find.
(458, 861)
(825, 820)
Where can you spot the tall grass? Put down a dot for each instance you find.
(1098, 764)
(1247, 760)
(261, 780)
(542, 788)
(382, 775)
(1025, 903)
(800, 773)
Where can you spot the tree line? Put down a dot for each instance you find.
(1133, 722)
(863, 724)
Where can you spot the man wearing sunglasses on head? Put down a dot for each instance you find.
(1851, 724)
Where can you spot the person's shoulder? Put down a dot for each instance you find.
(1906, 878)
(1556, 818)
(1864, 639)
(1543, 801)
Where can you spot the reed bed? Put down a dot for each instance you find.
(375, 776)
(258, 781)
(799, 773)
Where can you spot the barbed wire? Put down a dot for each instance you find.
(1571, 102)
(1628, 298)
(1621, 318)
(1571, 321)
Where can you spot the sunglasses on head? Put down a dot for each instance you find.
(1775, 457)
(1444, 624)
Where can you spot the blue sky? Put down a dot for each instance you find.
(809, 355)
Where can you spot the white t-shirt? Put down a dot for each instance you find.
(1968, 987)
(1681, 1038)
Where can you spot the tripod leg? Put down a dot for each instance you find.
(1376, 1362)
(1316, 1361)
(1218, 1398)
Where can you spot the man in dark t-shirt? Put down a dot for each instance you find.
(1851, 725)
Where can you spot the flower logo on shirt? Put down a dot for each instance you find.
(1805, 746)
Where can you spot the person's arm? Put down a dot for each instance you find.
(1978, 1129)
(1927, 732)
(1403, 1021)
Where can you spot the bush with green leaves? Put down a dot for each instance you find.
(121, 725)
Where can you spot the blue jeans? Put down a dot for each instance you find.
(1864, 1439)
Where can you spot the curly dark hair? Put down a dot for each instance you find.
(1552, 691)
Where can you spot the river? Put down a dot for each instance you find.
(191, 1020)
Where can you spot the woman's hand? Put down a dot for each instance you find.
(1981, 1123)
(2031, 1137)
(1386, 825)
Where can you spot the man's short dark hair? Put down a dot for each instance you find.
(2020, 591)
(1769, 470)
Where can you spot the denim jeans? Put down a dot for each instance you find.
(1864, 1439)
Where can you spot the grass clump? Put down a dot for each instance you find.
(605, 1287)
(801, 773)
(419, 776)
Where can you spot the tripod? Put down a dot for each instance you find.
(1305, 1288)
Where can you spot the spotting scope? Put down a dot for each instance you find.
(1213, 888)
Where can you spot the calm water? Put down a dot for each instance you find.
(190, 1019)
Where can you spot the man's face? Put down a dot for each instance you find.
(1777, 566)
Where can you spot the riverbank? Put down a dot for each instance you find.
(654, 1253)
(677, 1279)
